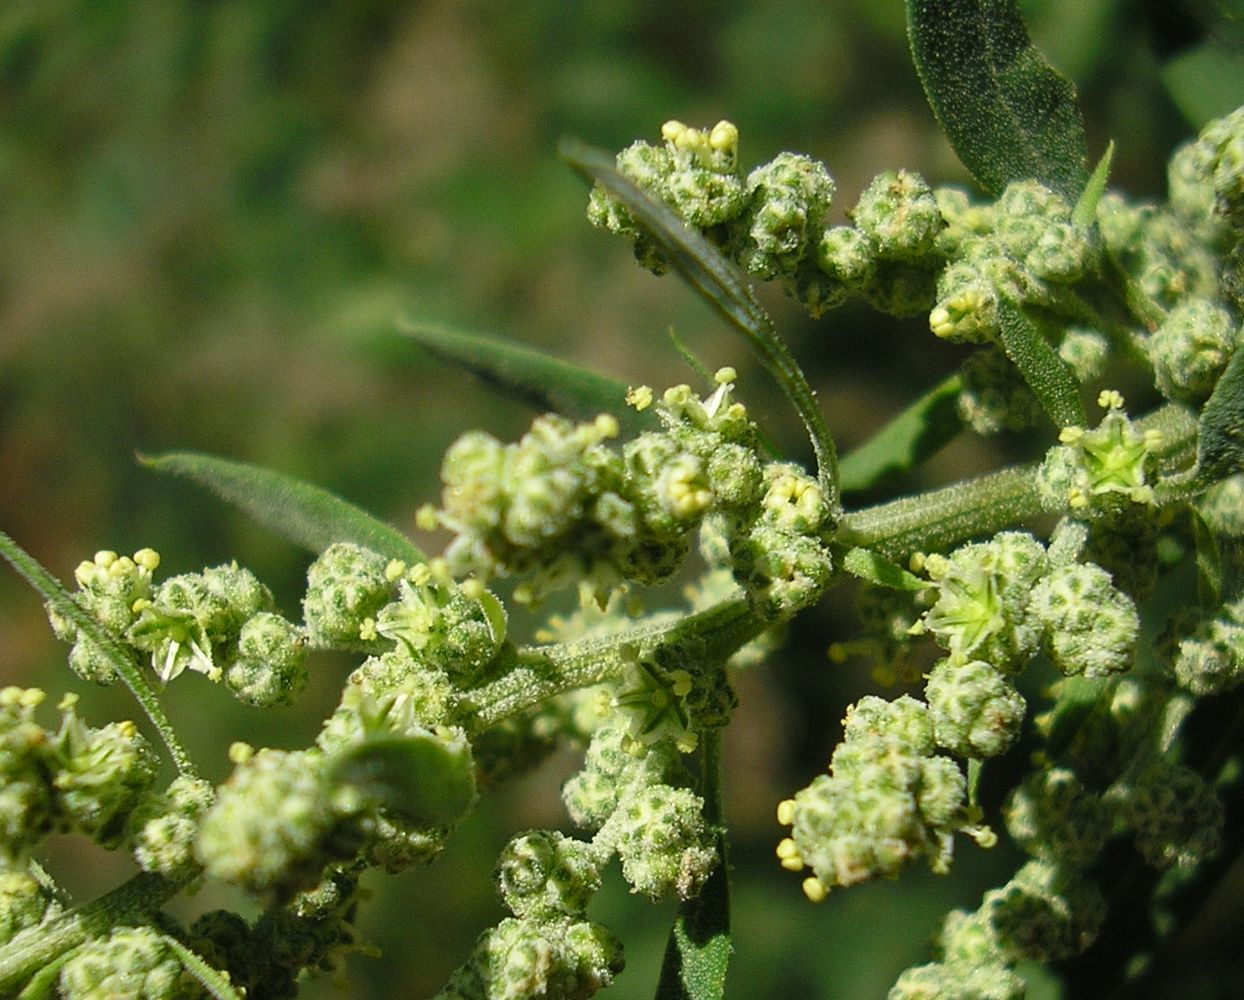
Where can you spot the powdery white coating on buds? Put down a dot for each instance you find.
(938, 981)
(346, 585)
(787, 201)
(660, 835)
(542, 873)
(1088, 625)
(976, 711)
(271, 664)
(131, 962)
(163, 827)
(1046, 912)
(1052, 816)
(899, 215)
(1211, 658)
(1175, 814)
(1191, 348)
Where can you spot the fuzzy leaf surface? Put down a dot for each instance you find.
(1008, 114)
(304, 514)
(1220, 446)
(534, 379)
(1046, 373)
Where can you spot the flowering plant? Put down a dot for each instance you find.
(1077, 562)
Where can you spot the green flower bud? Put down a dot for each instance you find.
(273, 826)
(132, 963)
(845, 255)
(993, 396)
(1211, 659)
(975, 710)
(1027, 212)
(885, 802)
(24, 902)
(1089, 625)
(782, 572)
(346, 585)
(1177, 818)
(1191, 349)
(967, 301)
(950, 981)
(1054, 817)
(789, 197)
(100, 774)
(163, 827)
(650, 167)
(1084, 352)
(271, 664)
(26, 808)
(662, 840)
(1045, 913)
(542, 874)
(965, 219)
(899, 215)
(557, 959)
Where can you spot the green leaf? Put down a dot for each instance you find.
(420, 776)
(698, 951)
(912, 436)
(121, 657)
(304, 514)
(709, 273)
(867, 565)
(1220, 446)
(1208, 562)
(1046, 373)
(1008, 114)
(1085, 212)
(534, 379)
(1077, 697)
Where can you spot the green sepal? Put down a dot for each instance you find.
(1220, 445)
(1046, 374)
(304, 514)
(868, 565)
(421, 776)
(1085, 212)
(708, 272)
(1008, 114)
(919, 431)
(537, 380)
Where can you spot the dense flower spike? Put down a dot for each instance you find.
(132, 963)
(1089, 625)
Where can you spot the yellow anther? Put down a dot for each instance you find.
(121, 566)
(916, 562)
(1153, 438)
(786, 812)
(1070, 435)
(1076, 499)
(240, 752)
(367, 630)
(724, 136)
(472, 589)
(1110, 399)
(983, 835)
(438, 570)
(127, 729)
(607, 425)
(86, 573)
(672, 130)
(940, 322)
(640, 397)
(787, 848)
(936, 566)
(148, 559)
(419, 574)
(105, 558)
(394, 570)
(680, 683)
(687, 742)
(67, 701)
(725, 376)
(140, 605)
(815, 889)
(426, 518)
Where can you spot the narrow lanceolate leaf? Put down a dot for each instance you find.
(1085, 211)
(1008, 114)
(1046, 373)
(1220, 446)
(215, 982)
(907, 440)
(304, 514)
(704, 268)
(868, 565)
(121, 658)
(534, 379)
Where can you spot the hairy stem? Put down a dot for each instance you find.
(132, 902)
(545, 671)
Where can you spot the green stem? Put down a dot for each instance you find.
(34, 948)
(546, 671)
(121, 659)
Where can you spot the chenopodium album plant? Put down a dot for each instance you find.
(1050, 277)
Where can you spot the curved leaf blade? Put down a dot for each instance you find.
(1220, 445)
(534, 379)
(912, 436)
(297, 511)
(704, 268)
(1008, 114)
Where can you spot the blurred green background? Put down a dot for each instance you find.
(214, 212)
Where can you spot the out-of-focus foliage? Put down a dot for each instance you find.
(215, 213)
